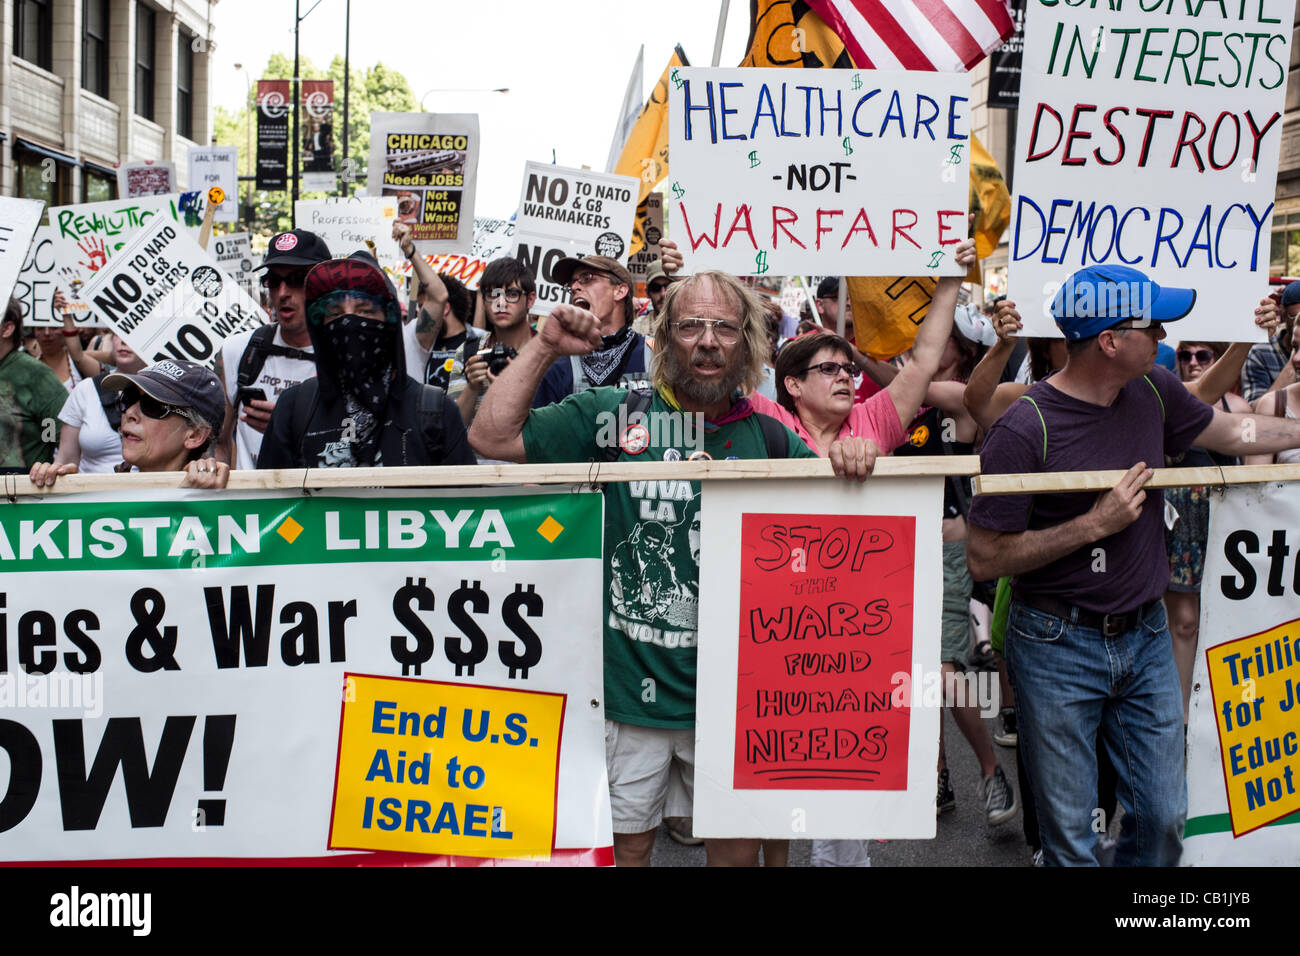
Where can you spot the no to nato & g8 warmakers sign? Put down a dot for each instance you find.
(1148, 137)
(861, 172)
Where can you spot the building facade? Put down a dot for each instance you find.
(88, 84)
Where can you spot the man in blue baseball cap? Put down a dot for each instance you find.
(1088, 645)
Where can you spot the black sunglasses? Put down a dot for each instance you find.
(294, 280)
(1202, 356)
(150, 406)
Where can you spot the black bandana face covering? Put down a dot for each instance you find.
(363, 350)
(603, 365)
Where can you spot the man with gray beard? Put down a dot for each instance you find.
(710, 342)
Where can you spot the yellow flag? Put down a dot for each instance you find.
(645, 153)
(886, 310)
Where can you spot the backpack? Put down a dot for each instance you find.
(110, 400)
(261, 346)
(775, 435)
(430, 414)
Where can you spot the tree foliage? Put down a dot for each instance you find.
(378, 89)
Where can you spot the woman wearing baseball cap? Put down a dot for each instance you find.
(170, 414)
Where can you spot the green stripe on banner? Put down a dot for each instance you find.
(251, 532)
(1222, 823)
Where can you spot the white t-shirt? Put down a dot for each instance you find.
(278, 374)
(417, 356)
(101, 447)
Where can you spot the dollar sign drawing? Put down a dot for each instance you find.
(532, 650)
(753, 159)
(857, 81)
(934, 259)
(678, 191)
(954, 155)
(413, 592)
(677, 80)
(760, 262)
(848, 147)
(465, 657)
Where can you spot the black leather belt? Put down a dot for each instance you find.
(1111, 625)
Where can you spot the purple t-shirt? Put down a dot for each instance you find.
(1140, 425)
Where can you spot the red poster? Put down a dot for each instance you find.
(825, 627)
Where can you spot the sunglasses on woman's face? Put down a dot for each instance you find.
(150, 406)
(1202, 356)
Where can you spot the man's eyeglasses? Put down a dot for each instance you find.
(688, 330)
(833, 369)
(586, 278)
(1202, 356)
(294, 280)
(510, 295)
(150, 406)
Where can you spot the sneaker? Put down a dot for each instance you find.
(680, 829)
(946, 799)
(999, 799)
(1006, 736)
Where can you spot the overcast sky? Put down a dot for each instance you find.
(566, 63)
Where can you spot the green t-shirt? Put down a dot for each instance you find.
(652, 544)
(31, 397)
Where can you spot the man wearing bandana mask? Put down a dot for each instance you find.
(362, 409)
(603, 287)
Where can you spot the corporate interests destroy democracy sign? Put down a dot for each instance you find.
(1243, 731)
(857, 172)
(1149, 137)
(429, 163)
(169, 298)
(222, 642)
(820, 718)
(571, 212)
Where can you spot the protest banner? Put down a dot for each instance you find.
(820, 717)
(217, 166)
(37, 281)
(1243, 731)
(169, 298)
(347, 224)
(87, 235)
(429, 163)
(273, 134)
(234, 253)
(19, 219)
(571, 212)
(146, 177)
(1149, 137)
(270, 675)
(318, 136)
(650, 224)
(780, 173)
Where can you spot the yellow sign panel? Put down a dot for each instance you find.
(429, 767)
(1255, 681)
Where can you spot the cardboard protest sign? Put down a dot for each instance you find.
(217, 166)
(1149, 137)
(347, 224)
(402, 673)
(38, 280)
(234, 253)
(429, 163)
(856, 172)
(146, 177)
(571, 212)
(1243, 731)
(88, 235)
(816, 699)
(18, 221)
(169, 298)
(651, 225)
(493, 238)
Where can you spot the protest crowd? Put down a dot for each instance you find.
(357, 365)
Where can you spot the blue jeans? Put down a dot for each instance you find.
(1070, 681)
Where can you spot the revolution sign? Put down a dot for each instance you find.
(1148, 136)
(407, 677)
(856, 172)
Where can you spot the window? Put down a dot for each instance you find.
(185, 84)
(41, 177)
(33, 32)
(97, 185)
(1285, 252)
(145, 20)
(94, 46)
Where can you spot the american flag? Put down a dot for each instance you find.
(945, 35)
